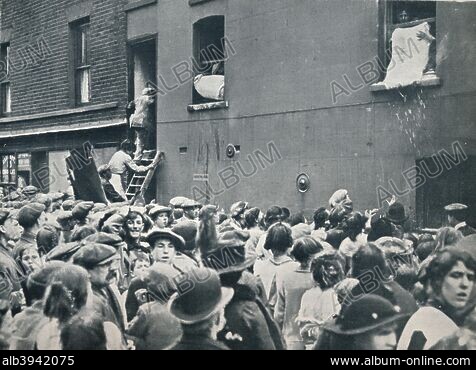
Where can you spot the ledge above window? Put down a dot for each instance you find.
(197, 2)
(208, 106)
(425, 82)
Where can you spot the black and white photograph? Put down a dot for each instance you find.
(238, 175)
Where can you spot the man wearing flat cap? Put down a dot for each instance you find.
(190, 210)
(31, 217)
(100, 261)
(81, 213)
(457, 214)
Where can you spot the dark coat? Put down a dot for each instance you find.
(107, 305)
(10, 274)
(467, 230)
(198, 343)
(249, 325)
(111, 194)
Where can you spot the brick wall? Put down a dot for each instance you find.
(43, 85)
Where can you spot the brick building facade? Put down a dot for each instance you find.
(64, 78)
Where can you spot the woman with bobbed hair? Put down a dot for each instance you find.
(291, 284)
(448, 283)
(321, 303)
(69, 293)
(370, 268)
(279, 240)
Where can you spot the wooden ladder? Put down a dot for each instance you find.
(140, 181)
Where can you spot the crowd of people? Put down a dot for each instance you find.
(78, 275)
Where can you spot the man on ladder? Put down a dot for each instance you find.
(121, 163)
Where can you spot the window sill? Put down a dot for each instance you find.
(138, 4)
(428, 82)
(208, 106)
(197, 2)
(65, 112)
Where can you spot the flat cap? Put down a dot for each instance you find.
(30, 190)
(91, 255)
(64, 216)
(177, 202)
(68, 205)
(63, 252)
(29, 214)
(190, 203)
(81, 210)
(159, 209)
(104, 238)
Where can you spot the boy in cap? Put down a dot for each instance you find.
(190, 210)
(457, 214)
(81, 213)
(31, 217)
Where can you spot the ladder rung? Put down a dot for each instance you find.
(138, 177)
(134, 186)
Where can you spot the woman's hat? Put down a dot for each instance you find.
(366, 314)
(396, 213)
(205, 297)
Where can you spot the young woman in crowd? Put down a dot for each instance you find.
(448, 282)
(321, 303)
(279, 241)
(290, 286)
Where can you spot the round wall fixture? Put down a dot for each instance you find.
(230, 150)
(303, 183)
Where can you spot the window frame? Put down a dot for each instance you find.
(387, 26)
(80, 59)
(198, 29)
(5, 85)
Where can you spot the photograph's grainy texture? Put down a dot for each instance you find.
(237, 175)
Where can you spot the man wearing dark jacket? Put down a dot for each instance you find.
(101, 262)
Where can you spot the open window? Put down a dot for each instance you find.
(5, 92)
(209, 60)
(408, 42)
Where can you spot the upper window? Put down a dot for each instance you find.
(209, 60)
(82, 68)
(5, 93)
(415, 21)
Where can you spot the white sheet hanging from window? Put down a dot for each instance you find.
(409, 56)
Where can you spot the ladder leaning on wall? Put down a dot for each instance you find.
(140, 181)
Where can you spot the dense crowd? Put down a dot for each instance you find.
(79, 275)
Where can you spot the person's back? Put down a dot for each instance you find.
(290, 287)
(117, 163)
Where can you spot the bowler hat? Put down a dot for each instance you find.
(187, 229)
(30, 213)
(205, 297)
(176, 240)
(91, 255)
(230, 254)
(396, 213)
(365, 314)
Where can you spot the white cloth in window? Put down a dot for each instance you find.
(409, 56)
(210, 87)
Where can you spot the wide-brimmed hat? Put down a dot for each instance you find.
(176, 239)
(205, 297)
(366, 314)
(396, 213)
(394, 246)
(159, 209)
(230, 253)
